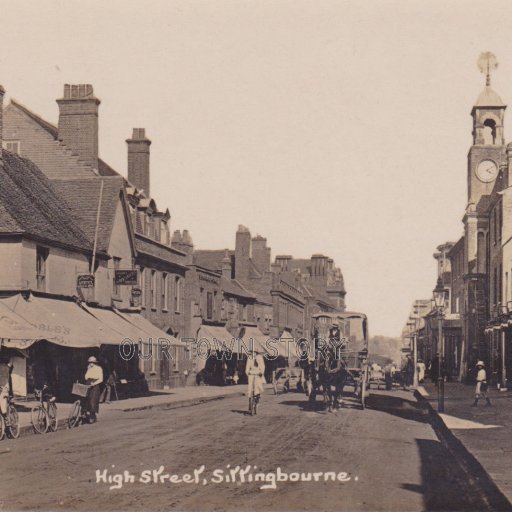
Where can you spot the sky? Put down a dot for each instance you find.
(334, 127)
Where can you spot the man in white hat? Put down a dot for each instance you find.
(255, 370)
(481, 384)
(93, 377)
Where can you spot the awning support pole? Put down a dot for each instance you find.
(93, 261)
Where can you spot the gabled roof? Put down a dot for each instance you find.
(103, 168)
(82, 196)
(31, 205)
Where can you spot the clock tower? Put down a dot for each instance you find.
(487, 175)
(486, 160)
(487, 155)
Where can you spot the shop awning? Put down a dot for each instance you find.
(125, 329)
(152, 331)
(254, 338)
(218, 338)
(61, 322)
(286, 346)
(15, 332)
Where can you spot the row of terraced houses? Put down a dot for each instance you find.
(89, 261)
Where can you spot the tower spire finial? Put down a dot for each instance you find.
(486, 64)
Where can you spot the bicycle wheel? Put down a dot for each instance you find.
(74, 415)
(14, 424)
(39, 420)
(2, 427)
(255, 405)
(53, 422)
(251, 402)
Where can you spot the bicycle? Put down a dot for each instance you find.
(9, 424)
(44, 416)
(78, 414)
(253, 398)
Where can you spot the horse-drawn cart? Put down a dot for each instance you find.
(339, 358)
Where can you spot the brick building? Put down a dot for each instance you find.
(136, 231)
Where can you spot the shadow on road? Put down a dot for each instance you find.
(443, 485)
(397, 406)
(238, 411)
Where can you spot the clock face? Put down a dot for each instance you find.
(487, 171)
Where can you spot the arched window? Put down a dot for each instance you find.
(489, 132)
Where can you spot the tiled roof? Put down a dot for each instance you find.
(103, 168)
(82, 197)
(30, 204)
(234, 287)
(211, 259)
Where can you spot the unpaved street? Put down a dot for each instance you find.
(391, 455)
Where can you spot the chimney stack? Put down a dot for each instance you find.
(242, 252)
(78, 122)
(138, 160)
(226, 265)
(2, 92)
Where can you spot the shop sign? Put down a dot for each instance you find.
(125, 277)
(85, 281)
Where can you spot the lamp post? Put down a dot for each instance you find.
(415, 348)
(439, 299)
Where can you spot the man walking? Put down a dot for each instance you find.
(481, 384)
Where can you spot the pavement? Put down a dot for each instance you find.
(481, 435)
(165, 399)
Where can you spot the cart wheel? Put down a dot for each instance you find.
(2, 427)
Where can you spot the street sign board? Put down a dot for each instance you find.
(125, 277)
(85, 281)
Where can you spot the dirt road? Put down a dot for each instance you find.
(390, 455)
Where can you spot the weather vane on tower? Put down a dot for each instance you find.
(486, 63)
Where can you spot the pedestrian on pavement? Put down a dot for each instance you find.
(109, 384)
(93, 377)
(481, 384)
(409, 371)
(421, 370)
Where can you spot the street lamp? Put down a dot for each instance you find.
(415, 348)
(439, 301)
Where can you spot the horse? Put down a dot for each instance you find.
(326, 374)
(332, 376)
